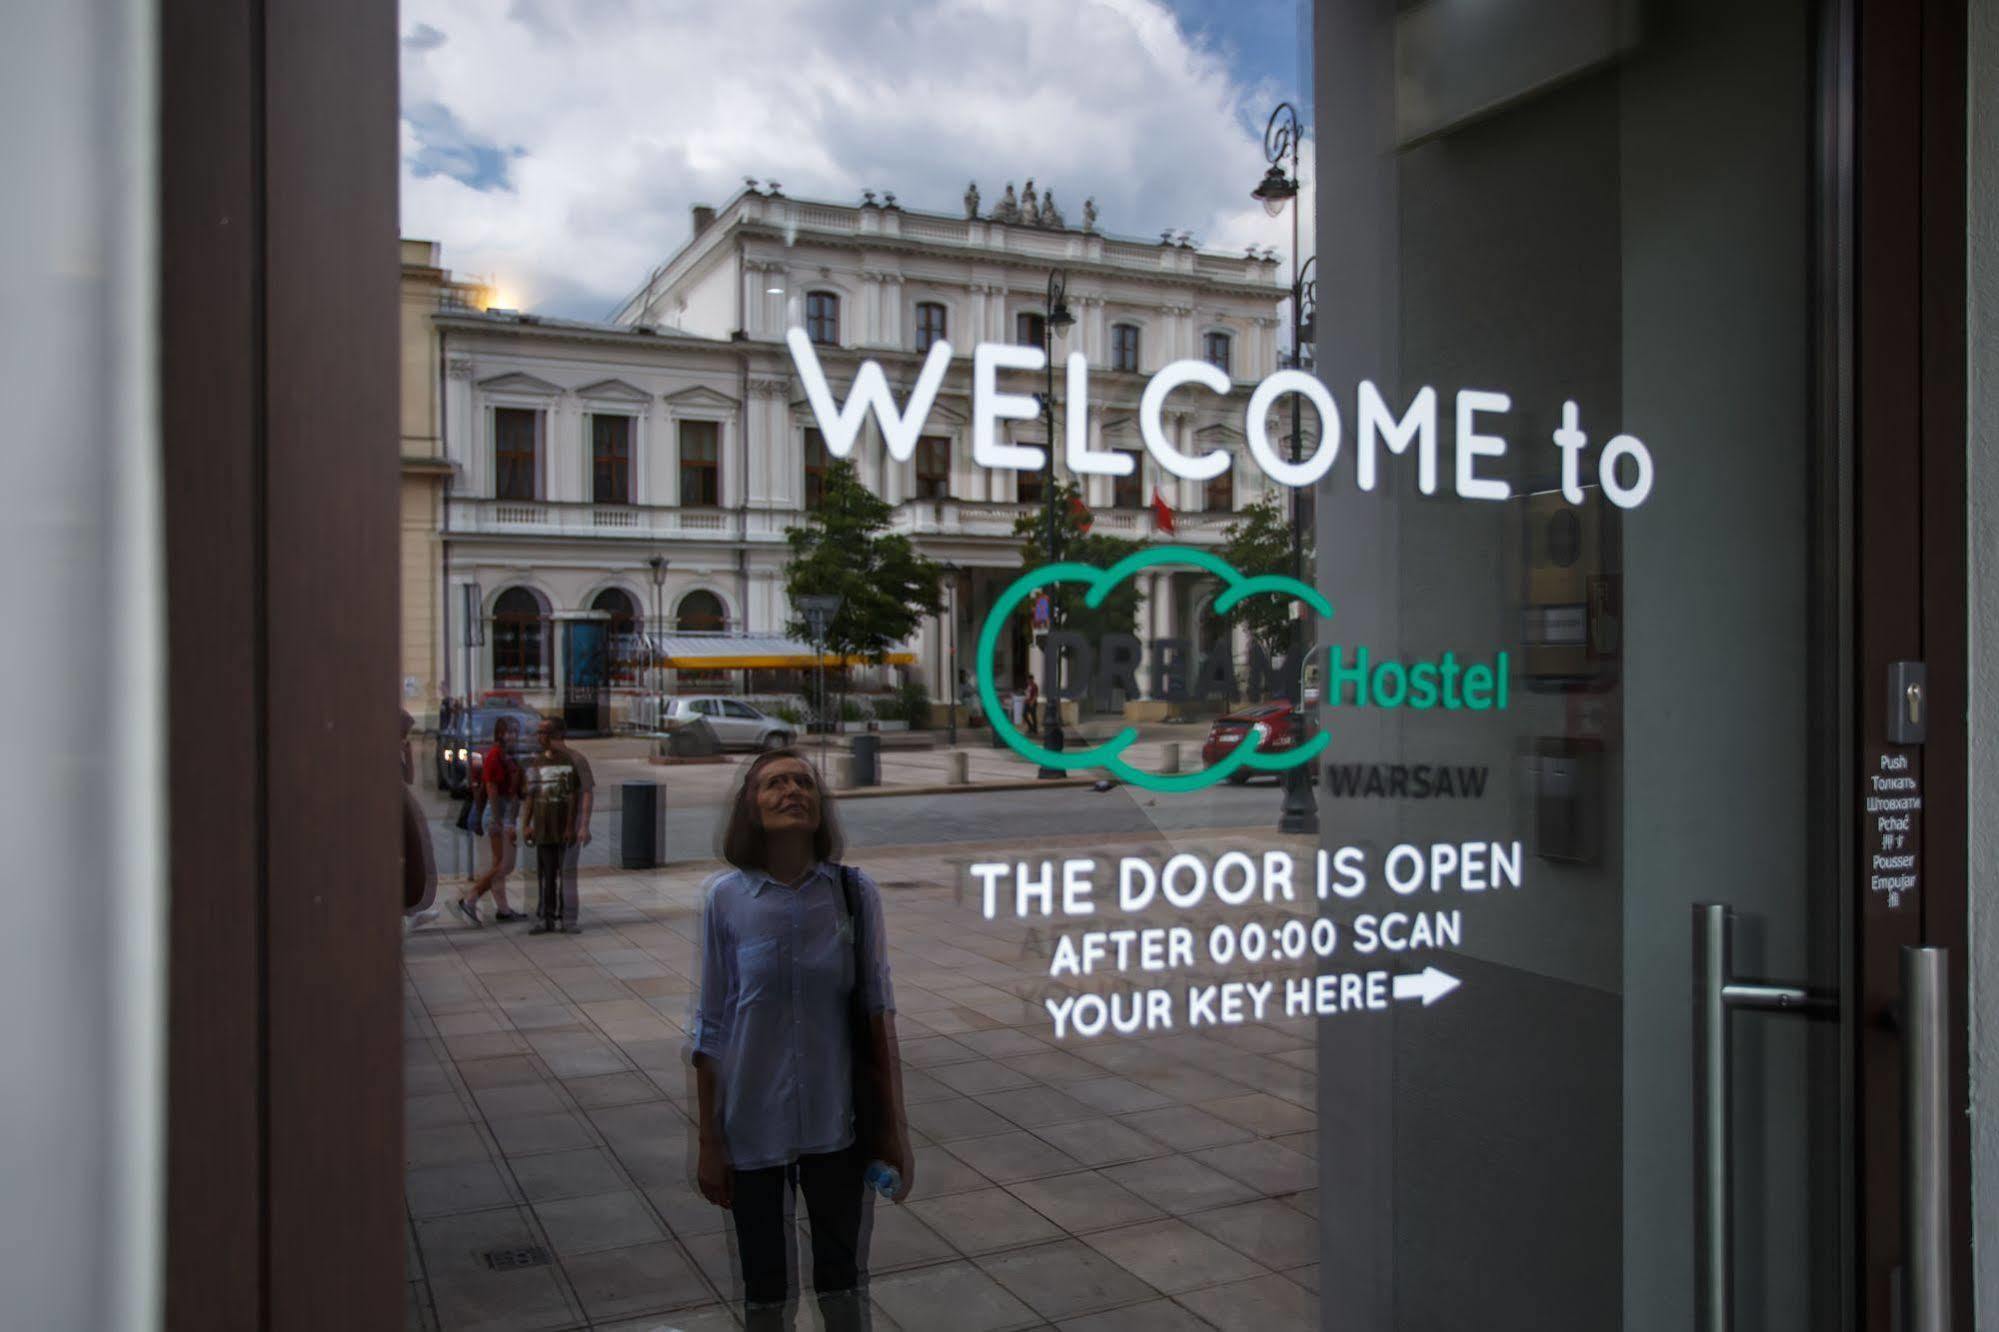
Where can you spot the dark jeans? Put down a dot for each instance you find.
(833, 1199)
(555, 866)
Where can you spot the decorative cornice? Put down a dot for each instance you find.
(770, 388)
(460, 368)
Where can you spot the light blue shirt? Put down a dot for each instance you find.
(777, 976)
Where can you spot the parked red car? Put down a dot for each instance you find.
(1278, 724)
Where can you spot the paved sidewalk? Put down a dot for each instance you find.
(1166, 1182)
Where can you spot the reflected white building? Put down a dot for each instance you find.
(581, 453)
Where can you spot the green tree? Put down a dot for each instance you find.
(1119, 612)
(846, 550)
(1259, 542)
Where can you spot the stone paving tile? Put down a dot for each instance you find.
(1031, 1107)
(1172, 1256)
(1100, 1141)
(1263, 1114)
(938, 1173)
(448, 1145)
(1117, 1096)
(1256, 1305)
(958, 1296)
(1185, 1129)
(541, 1133)
(708, 1318)
(1064, 1279)
(566, 1174)
(1152, 1316)
(1273, 1233)
(1001, 1042)
(620, 1282)
(980, 1076)
(469, 1296)
(1264, 1166)
(435, 1110)
(685, 1211)
(1008, 1158)
(958, 1117)
(598, 1221)
(984, 1220)
(898, 1237)
(1083, 1201)
(1056, 1066)
(931, 1051)
(1180, 1184)
(520, 1101)
(607, 1089)
(511, 1070)
(1306, 1276)
(470, 1186)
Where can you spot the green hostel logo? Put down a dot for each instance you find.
(1100, 583)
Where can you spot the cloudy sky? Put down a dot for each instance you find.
(555, 146)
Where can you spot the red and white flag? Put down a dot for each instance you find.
(1162, 512)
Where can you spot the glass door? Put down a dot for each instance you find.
(1594, 243)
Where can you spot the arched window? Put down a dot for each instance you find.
(822, 318)
(700, 612)
(931, 321)
(624, 639)
(1215, 350)
(1124, 347)
(520, 640)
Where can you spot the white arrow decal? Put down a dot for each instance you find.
(1429, 986)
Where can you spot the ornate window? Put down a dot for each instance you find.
(516, 446)
(624, 639)
(701, 613)
(611, 459)
(700, 464)
(1218, 494)
(1030, 487)
(816, 461)
(822, 318)
(1124, 347)
(1128, 492)
(933, 467)
(1215, 350)
(1030, 328)
(931, 321)
(520, 640)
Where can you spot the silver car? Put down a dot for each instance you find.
(735, 723)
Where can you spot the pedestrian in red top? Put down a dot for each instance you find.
(1031, 709)
(502, 776)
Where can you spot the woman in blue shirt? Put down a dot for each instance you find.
(774, 1039)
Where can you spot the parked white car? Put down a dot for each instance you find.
(735, 723)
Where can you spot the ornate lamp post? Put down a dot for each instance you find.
(658, 565)
(951, 698)
(1275, 191)
(1056, 318)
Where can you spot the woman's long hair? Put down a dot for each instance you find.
(743, 843)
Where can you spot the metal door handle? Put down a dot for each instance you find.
(1717, 993)
(1925, 1140)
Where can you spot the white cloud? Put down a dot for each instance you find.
(614, 117)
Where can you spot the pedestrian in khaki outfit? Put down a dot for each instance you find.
(556, 822)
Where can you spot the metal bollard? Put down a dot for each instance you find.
(864, 764)
(956, 767)
(1169, 756)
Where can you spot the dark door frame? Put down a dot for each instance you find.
(1910, 577)
(278, 397)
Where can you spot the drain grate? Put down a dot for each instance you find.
(506, 1260)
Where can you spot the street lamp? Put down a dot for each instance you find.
(658, 565)
(951, 698)
(1275, 191)
(819, 610)
(1057, 318)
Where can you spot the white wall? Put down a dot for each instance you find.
(81, 956)
(1983, 281)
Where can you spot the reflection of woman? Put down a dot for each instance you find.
(503, 778)
(794, 973)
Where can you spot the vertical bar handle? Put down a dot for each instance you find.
(1714, 1273)
(1925, 1140)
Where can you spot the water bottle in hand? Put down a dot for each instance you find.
(883, 1178)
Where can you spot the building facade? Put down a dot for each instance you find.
(611, 480)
